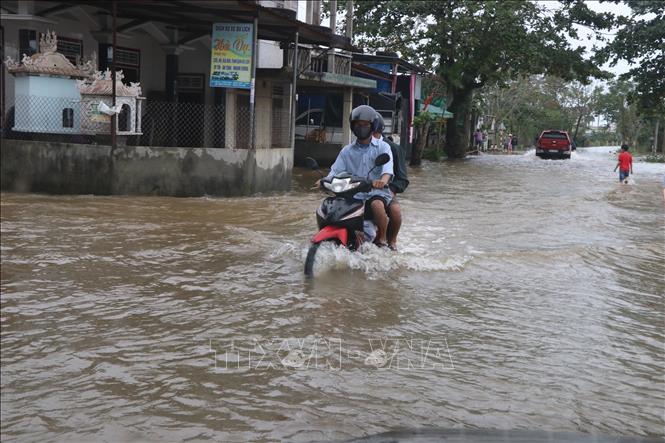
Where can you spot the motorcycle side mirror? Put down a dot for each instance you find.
(311, 163)
(382, 159)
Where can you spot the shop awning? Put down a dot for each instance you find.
(435, 110)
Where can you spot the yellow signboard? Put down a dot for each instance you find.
(231, 55)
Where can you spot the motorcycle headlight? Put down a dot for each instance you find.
(340, 185)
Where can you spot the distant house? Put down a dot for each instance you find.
(397, 95)
(384, 81)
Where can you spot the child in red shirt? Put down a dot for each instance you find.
(625, 164)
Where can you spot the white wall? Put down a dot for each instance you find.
(41, 101)
(270, 55)
(285, 4)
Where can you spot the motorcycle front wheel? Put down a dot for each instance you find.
(309, 261)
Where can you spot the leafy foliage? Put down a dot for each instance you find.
(641, 41)
(629, 123)
(471, 44)
(535, 103)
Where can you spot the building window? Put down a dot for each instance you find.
(71, 48)
(124, 122)
(28, 43)
(68, 118)
(191, 82)
(128, 60)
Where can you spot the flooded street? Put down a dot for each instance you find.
(526, 294)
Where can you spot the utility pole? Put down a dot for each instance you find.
(114, 117)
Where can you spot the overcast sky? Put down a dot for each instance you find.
(586, 36)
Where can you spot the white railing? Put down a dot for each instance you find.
(321, 60)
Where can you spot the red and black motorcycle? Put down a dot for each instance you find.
(341, 218)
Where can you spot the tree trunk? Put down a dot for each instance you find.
(419, 146)
(655, 140)
(577, 127)
(457, 138)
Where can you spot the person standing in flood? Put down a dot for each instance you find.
(625, 164)
(478, 136)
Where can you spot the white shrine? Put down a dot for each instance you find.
(53, 96)
(97, 104)
(46, 98)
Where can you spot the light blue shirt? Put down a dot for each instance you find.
(358, 159)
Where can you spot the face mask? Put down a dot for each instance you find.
(362, 132)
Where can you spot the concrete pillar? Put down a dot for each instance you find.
(316, 12)
(333, 15)
(263, 130)
(105, 33)
(308, 13)
(172, 51)
(139, 116)
(230, 119)
(349, 18)
(346, 112)
(171, 80)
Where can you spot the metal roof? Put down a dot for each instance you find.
(402, 65)
(195, 18)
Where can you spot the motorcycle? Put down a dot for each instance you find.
(341, 218)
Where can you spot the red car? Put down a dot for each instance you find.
(554, 144)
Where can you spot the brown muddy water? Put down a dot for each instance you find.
(527, 294)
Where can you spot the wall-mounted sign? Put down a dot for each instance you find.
(231, 55)
(96, 114)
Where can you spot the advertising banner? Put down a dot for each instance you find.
(231, 55)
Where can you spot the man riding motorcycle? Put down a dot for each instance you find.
(358, 159)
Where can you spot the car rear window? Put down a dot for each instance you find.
(556, 135)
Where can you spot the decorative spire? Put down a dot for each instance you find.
(48, 43)
(49, 61)
(101, 83)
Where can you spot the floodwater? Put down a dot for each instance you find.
(527, 294)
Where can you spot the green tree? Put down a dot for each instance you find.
(579, 102)
(529, 105)
(640, 40)
(617, 110)
(472, 44)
